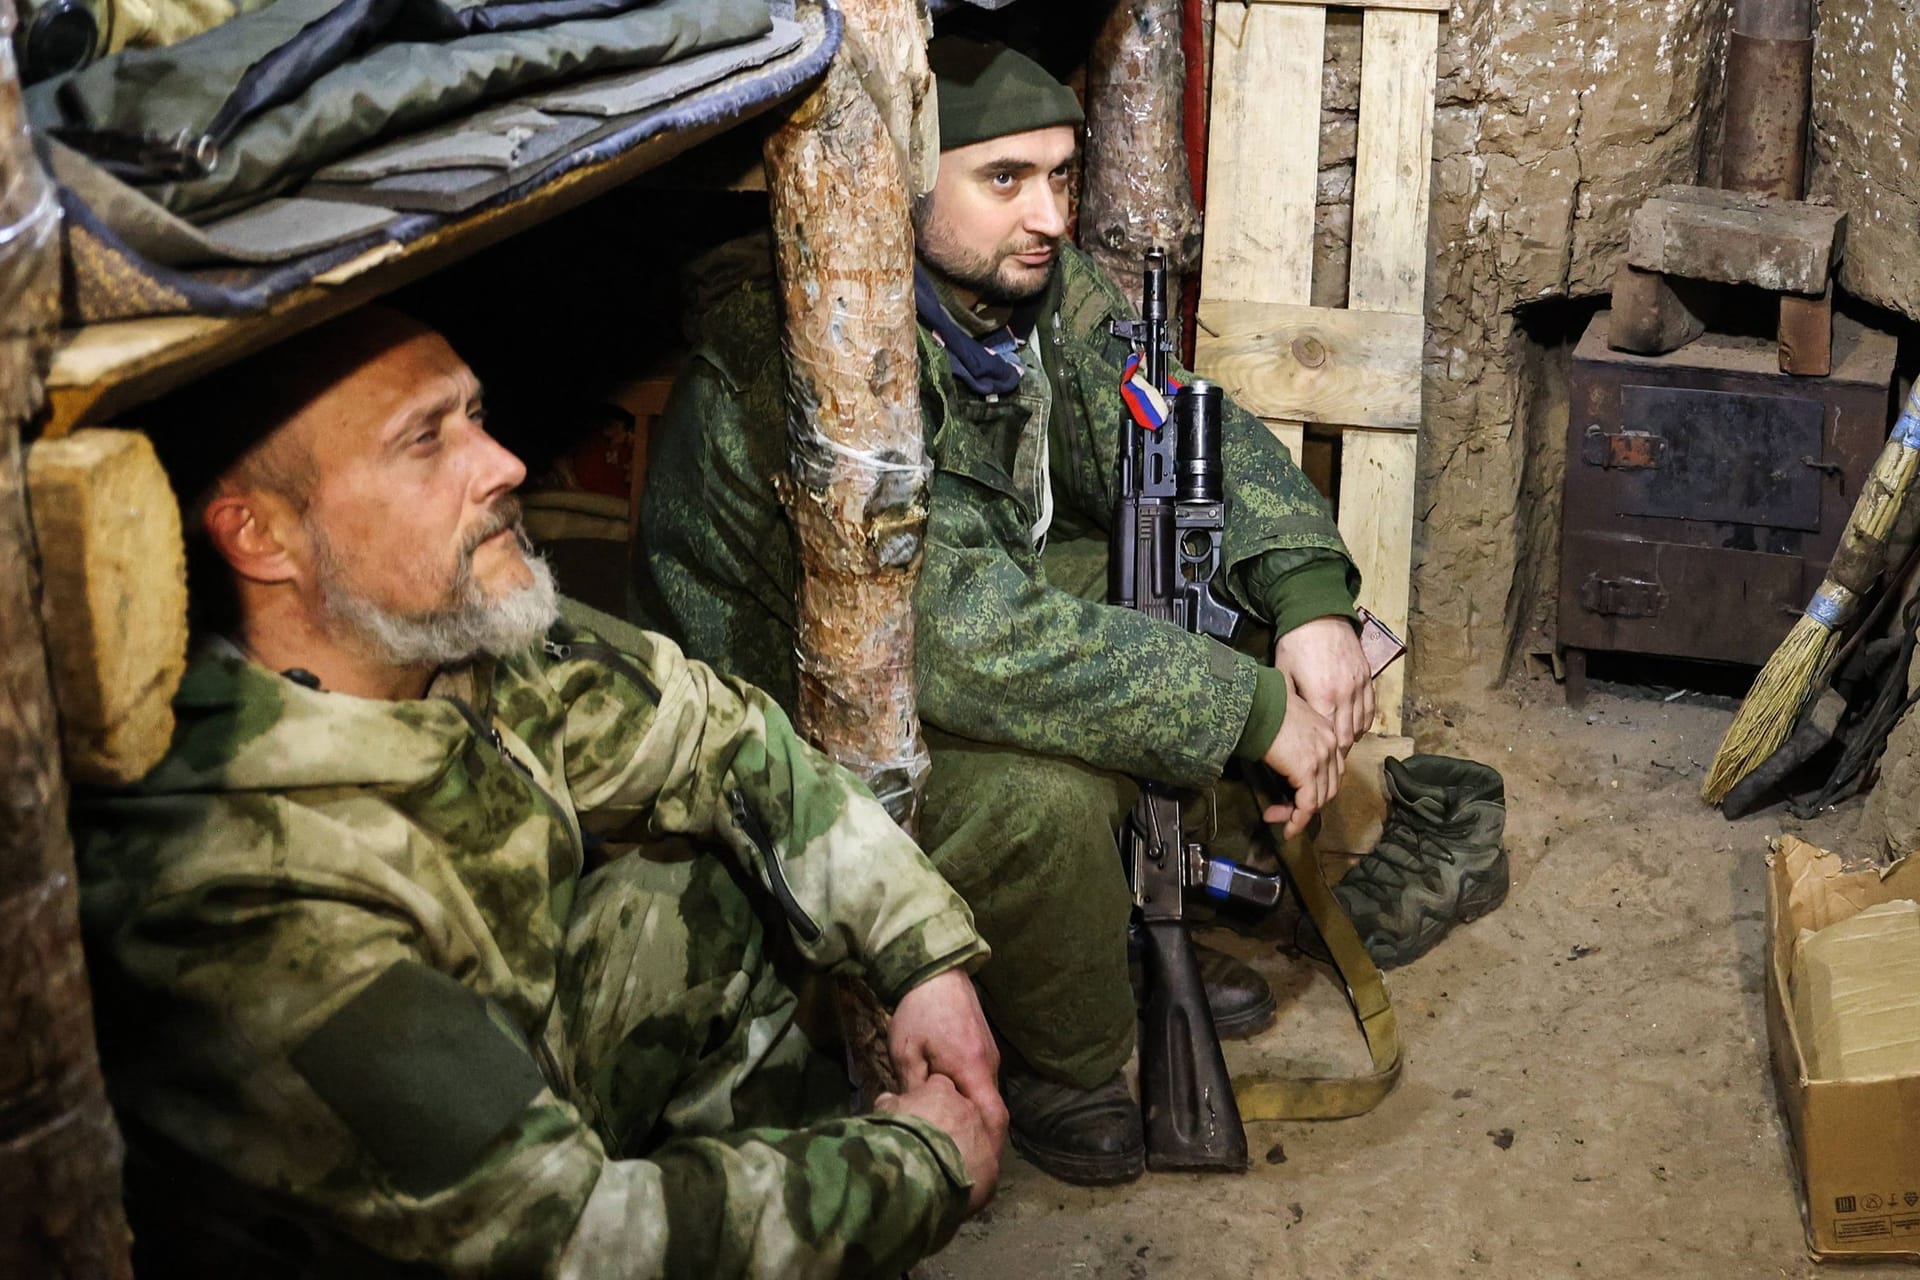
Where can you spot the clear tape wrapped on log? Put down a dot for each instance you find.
(863, 459)
(896, 780)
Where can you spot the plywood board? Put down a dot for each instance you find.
(1317, 364)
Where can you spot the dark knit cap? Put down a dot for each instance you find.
(989, 91)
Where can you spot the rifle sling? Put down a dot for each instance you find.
(1267, 1096)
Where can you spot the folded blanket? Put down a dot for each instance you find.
(250, 107)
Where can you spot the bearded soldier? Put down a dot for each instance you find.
(367, 1005)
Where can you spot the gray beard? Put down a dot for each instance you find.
(465, 625)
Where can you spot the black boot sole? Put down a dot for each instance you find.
(1250, 1021)
(1079, 1168)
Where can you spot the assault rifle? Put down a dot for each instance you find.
(1169, 522)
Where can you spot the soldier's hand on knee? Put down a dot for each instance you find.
(939, 1029)
(937, 1102)
(1324, 659)
(1307, 753)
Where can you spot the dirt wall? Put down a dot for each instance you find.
(1866, 143)
(1554, 120)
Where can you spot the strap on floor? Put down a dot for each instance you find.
(1268, 1096)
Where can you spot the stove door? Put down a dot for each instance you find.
(1717, 456)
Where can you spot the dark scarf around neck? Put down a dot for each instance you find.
(975, 366)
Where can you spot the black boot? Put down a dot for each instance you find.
(1087, 1136)
(1241, 1001)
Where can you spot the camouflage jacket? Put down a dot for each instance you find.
(296, 845)
(1003, 655)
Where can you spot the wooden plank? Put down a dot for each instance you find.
(1261, 181)
(1419, 6)
(1376, 519)
(1392, 175)
(1317, 364)
(1393, 162)
(1352, 823)
(1292, 436)
(1261, 178)
(105, 369)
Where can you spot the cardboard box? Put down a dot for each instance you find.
(1857, 1141)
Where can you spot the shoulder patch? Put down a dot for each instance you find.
(421, 1073)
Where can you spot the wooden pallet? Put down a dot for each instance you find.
(1355, 368)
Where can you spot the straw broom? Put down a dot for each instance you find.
(1805, 658)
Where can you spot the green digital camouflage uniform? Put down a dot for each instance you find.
(1041, 699)
(363, 1012)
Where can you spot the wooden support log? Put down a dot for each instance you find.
(856, 490)
(60, 1212)
(1653, 314)
(116, 598)
(1137, 194)
(1784, 245)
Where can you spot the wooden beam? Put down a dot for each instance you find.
(1317, 364)
(1392, 169)
(1261, 180)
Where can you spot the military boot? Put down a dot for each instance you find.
(1439, 861)
(1240, 1000)
(1087, 1136)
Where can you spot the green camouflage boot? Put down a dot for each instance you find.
(1439, 862)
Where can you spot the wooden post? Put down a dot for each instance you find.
(856, 491)
(1136, 192)
(857, 487)
(60, 1212)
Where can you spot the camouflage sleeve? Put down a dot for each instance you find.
(1002, 656)
(297, 1038)
(695, 753)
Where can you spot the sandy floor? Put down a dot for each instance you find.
(1586, 1091)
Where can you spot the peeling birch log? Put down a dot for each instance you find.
(1136, 192)
(856, 490)
(60, 1211)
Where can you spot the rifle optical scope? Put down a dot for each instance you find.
(1196, 417)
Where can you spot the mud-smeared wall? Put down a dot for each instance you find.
(1555, 118)
(1866, 143)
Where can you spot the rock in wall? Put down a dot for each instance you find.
(1554, 119)
(1866, 143)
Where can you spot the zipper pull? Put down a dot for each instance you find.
(558, 652)
(500, 744)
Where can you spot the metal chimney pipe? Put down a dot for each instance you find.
(1763, 132)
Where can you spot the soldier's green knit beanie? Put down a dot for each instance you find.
(989, 91)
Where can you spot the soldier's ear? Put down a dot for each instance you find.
(249, 530)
